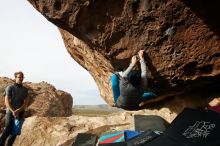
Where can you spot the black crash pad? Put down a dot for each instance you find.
(191, 128)
(85, 139)
(149, 122)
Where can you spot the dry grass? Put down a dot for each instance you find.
(92, 113)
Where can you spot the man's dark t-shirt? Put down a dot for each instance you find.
(130, 95)
(17, 94)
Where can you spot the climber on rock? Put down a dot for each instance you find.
(129, 87)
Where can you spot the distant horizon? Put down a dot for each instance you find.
(93, 104)
(32, 44)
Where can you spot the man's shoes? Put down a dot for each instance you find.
(141, 104)
(113, 105)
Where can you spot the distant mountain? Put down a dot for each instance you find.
(101, 107)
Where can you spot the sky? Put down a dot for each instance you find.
(30, 43)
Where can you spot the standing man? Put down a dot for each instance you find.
(16, 101)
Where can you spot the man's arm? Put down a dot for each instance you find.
(8, 103)
(143, 73)
(132, 64)
(8, 96)
(143, 69)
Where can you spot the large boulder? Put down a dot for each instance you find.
(181, 38)
(62, 131)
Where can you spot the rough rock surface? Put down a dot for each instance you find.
(62, 131)
(45, 100)
(181, 37)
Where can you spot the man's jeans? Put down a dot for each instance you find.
(116, 90)
(115, 87)
(9, 119)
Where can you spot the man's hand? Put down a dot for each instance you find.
(16, 113)
(141, 54)
(134, 60)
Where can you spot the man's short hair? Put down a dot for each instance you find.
(18, 73)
